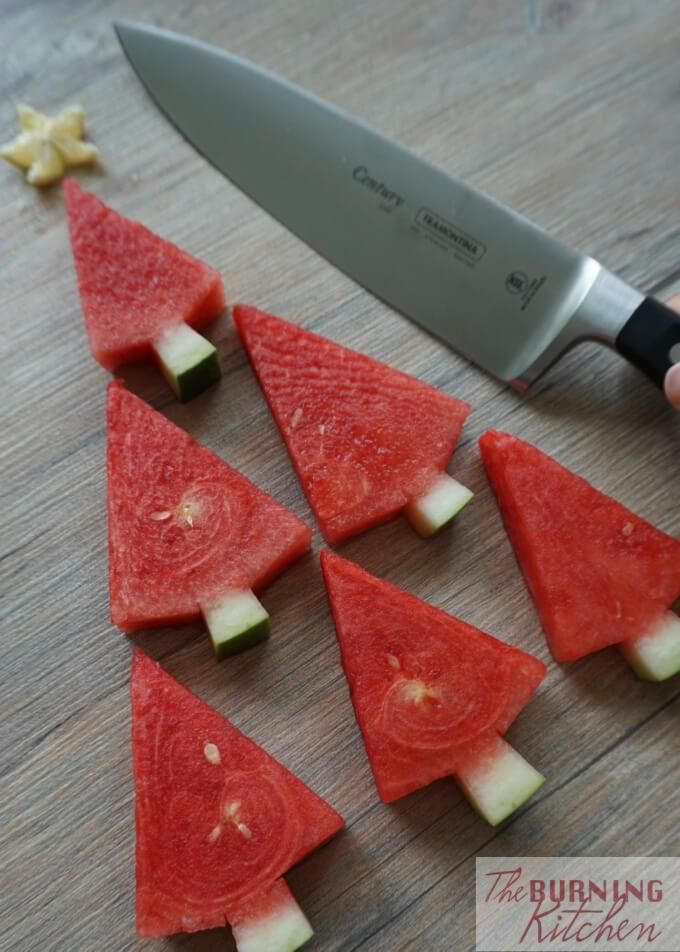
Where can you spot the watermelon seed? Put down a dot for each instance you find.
(212, 753)
(322, 429)
(628, 529)
(418, 691)
(160, 516)
(231, 814)
(216, 833)
(295, 419)
(393, 662)
(231, 809)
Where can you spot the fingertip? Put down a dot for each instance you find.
(672, 386)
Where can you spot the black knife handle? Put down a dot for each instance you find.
(650, 339)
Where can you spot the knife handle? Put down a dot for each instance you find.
(650, 339)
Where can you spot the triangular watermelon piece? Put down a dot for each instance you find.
(367, 441)
(218, 821)
(599, 574)
(141, 295)
(432, 694)
(187, 533)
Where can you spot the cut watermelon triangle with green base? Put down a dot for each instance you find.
(142, 296)
(599, 574)
(218, 822)
(432, 695)
(367, 441)
(188, 535)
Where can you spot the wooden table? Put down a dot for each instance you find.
(567, 110)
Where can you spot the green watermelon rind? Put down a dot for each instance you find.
(656, 655)
(189, 362)
(236, 621)
(499, 785)
(283, 929)
(271, 922)
(438, 506)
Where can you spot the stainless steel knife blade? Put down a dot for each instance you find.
(494, 286)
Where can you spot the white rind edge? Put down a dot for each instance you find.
(500, 784)
(179, 349)
(233, 614)
(283, 930)
(443, 500)
(655, 656)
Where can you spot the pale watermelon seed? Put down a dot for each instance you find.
(418, 691)
(231, 815)
(215, 833)
(211, 753)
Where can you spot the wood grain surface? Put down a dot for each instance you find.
(568, 110)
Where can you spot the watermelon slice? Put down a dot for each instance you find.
(432, 695)
(367, 441)
(188, 535)
(599, 574)
(142, 296)
(218, 822)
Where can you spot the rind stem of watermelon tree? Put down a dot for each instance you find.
(271, 922)
(443, 500)
(187, 360)
(497, 780)
(236, 621)
(655, 656)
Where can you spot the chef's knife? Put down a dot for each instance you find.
(494, 286)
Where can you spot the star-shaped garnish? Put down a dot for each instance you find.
(48, 146)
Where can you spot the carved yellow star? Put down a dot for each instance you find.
(48, 146)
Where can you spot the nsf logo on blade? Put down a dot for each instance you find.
(516, 282)
(524, 288)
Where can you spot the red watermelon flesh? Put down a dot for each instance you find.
(133, 284)
(599, 574)
(183, 525)
(218, 820)
(364, 438)
(427, 688)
